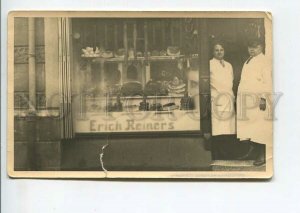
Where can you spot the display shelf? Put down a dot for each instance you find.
(134, 97)
(122, 59)
(128, 113)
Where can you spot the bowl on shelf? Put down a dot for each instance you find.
(139, 54)
(173, 51)
(163, 53)
(107, 54)
(120, 53)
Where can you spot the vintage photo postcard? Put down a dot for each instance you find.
(140, 95)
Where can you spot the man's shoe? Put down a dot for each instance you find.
(261, 159)
(259, 162)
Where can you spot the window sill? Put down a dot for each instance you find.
(20, 113)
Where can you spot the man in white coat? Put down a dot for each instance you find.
(222, 104)
(253, 108)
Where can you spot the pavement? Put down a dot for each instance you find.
(236, 165)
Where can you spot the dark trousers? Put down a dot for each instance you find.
(228, 147)
(223, 147)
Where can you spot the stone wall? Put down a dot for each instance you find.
(37, 144)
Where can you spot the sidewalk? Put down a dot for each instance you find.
(235, 165)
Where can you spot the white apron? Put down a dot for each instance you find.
(255, 83)
(222, 98)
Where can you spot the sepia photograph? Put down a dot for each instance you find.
(140, 95)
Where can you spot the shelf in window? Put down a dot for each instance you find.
(138, 97)
(122, 59)
(163, 112)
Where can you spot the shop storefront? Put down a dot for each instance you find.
(139, 87)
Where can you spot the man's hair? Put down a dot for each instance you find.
(255, 42)
(218, 43)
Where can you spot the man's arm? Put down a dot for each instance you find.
(266, 85)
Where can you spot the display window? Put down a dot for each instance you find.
(134, 76)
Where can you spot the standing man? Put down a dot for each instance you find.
(222, 107)
(253, 123)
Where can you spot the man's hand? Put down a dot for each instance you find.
(262, 104)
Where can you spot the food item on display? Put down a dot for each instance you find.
(144, 105)
(173, 51)
(97, 51)
(156, 107)
(170, 106)
(120, 53)
(139, 54)
(153, 88)
(89, 52)
(163, 53)
(148, 53)
(107, 54)
(176, 93)
(118, 106)
(132, 88)
(110, 107)
(176, 86)
(186, 103)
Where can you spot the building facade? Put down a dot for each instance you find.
(137, 88)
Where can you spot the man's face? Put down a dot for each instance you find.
(254, 51)
(218, 52)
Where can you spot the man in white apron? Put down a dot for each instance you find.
(222, 104)
(253, 111)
